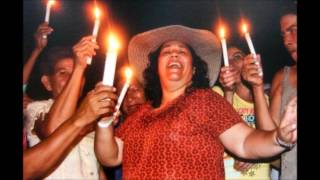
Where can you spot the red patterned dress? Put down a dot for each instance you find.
(179, 141)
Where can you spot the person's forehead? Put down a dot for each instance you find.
(64, 63)
(234, 50)
(288, 20)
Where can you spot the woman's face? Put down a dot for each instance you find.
(175, 63)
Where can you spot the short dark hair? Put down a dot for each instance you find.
(52, 57)
(290, 8)
(153, 91)
(239, 44)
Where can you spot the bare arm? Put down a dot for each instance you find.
(41, 42)
(250, 73)
(66, 102)
(43, 158)
(28, 66)
(108, 148)
(275, 97)
(228, 95)
(102, 175)
(254, 144)
(250, 143)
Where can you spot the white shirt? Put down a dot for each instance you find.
(80, 163)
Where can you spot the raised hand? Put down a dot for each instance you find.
(99, 101)
(83, 49)
(43, 30)
(251, 70)
(229, 77)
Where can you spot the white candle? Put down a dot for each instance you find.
(224, 47)
(124, 90)
(248, 39)
(111, 61)
(252, 51)
(121, 97)
(250, 44)
(49, 3)
(95, 29)
(46, 19)
(106, 122)
(109, 68)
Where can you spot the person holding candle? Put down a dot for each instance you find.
(131, 103)
(42, 159)
(63, 76)
(40, 44)
(283, 88)
(183, 128)
(238, 93)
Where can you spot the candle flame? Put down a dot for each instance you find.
(113, 42)
(222, 32)
(97, 12)
(51, 2)
(128, 73)
(244, 28)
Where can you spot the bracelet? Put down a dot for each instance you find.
(105, 123)
(284, 144)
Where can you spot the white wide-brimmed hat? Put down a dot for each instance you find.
(204, 42)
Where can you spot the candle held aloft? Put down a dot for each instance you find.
(48, 9)
(95, 28)
(250, 44)
(49, 4)
(128, 73)
(106, 122)
(248, 39)
(111, 60)
(224, 47)
(96, 22)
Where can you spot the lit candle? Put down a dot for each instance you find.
(128, 73)
(250, 44)
(46, 19)
(95, 28)
(111, 61)
(224, 47)
(105, 122)
(248, 39)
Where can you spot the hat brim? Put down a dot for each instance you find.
(205, 44)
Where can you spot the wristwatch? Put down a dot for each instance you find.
(284, 144)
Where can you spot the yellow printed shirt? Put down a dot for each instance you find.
(259, 171)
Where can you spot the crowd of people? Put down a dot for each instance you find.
(185, 115)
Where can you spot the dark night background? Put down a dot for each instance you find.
(72, 19)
